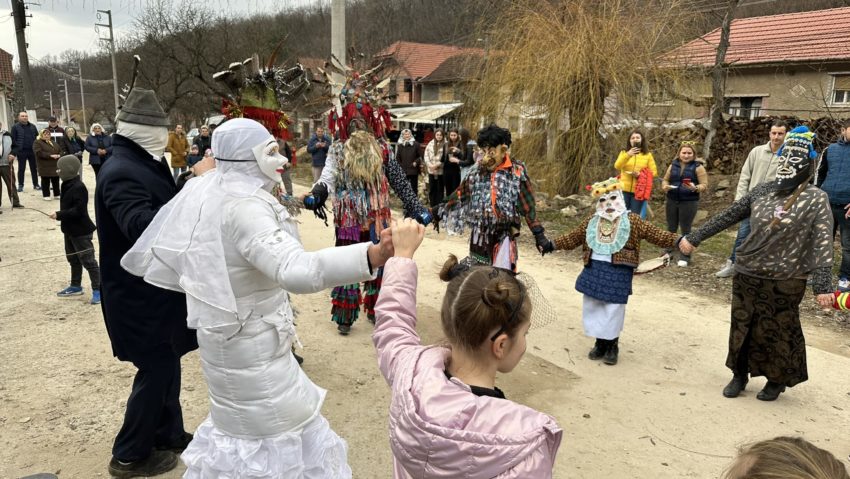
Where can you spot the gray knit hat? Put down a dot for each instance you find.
(142, 108)
(68, 167)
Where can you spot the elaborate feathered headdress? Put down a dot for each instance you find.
(363, 96)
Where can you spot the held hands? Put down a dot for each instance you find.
(825, 300)
(406, 237)
(685, 246)
(381, 252)
(544, 244)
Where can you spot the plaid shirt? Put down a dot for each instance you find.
(525, 202)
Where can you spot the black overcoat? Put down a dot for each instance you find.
(141, 319)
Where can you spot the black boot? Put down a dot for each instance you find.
(735, 386)
(771, 391)
(159, 462)
(613, 351)
(598, 349)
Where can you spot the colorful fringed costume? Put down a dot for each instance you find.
(492, 201)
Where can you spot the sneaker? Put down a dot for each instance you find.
(46, 198)
(20, 188)
(682, 263)
(95, 296)
(159, 462)
(36, 187)
(843, 285)
(56, 197)
(727, 271)
(70, 291)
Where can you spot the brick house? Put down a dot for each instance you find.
(7, 87)
(795, 64)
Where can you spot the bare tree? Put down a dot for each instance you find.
(718, 77)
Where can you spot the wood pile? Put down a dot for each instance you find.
(733, 142)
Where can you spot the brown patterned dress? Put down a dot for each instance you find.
(765, 336)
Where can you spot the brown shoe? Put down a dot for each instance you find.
(159, 462)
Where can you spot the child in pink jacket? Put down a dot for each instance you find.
(447, 418)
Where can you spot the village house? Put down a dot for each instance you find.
(795, 64)
(7, 85)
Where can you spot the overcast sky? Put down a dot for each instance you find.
(58, 25)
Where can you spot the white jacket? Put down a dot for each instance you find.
(434, 162)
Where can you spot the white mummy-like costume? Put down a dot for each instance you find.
(234, 250)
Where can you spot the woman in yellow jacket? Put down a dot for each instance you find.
(630, 162)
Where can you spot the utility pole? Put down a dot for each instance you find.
(49, 96)
(111, 41)
(338, 42)
(82, 96)
(19, 13)
(64, 87)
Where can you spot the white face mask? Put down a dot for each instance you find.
(611, 205)
(269, 159)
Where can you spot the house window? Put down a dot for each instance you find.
(744, 107)
(841, 89)
(408, 85)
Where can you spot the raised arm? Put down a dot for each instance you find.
(738, 211)
(398, 182)
(574, 238)
(395, 315)
(253, 226)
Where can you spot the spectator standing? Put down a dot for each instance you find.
(99, 146)
(7, 167)
(630, 162)
(434, 163)
(318, 147)
(57, 134)
(833, 177)
(47, 153)
(146, 324)
(178, 146)
(286, 174)
(759, 167)
(409, 156)
(77, 227)
(454, 154)
(203, 140)
(24, 135)
(76, 145)
(470, 157)
(684, 180)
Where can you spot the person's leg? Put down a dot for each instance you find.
(152, 394)
(643, 209)
(414, 183)
(637, 206)
(170, 430)
(687, 213)
(743, 232)
(33, 169)
(96, 169)
(286, 176)
(85, 248)
(317, 173)
(45, 187)
(737, 357)
(4, 173)
(54, 180)
(629, 198)
(843, 227)
(71, 254)
(22, 168)
(672, 210)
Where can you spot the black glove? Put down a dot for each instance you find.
(315, 202)
(544, 244)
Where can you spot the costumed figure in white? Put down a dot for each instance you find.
(610, 240)
(234, 250)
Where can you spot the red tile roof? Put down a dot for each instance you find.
(7, 74)
(819, 35)
(421, 59)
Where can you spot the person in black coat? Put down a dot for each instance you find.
(408, 154)
(77, 227)
(146, 324)
(24, 135)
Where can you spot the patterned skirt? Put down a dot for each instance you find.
(766, 328)
(607, 282)
(347, 299)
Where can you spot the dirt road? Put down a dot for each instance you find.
(658, 414)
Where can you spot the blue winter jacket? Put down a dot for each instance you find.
(834, 172)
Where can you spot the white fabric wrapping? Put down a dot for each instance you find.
(602, 320)
(152, 138)
(316, 452)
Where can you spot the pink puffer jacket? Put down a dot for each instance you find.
(438, 427)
